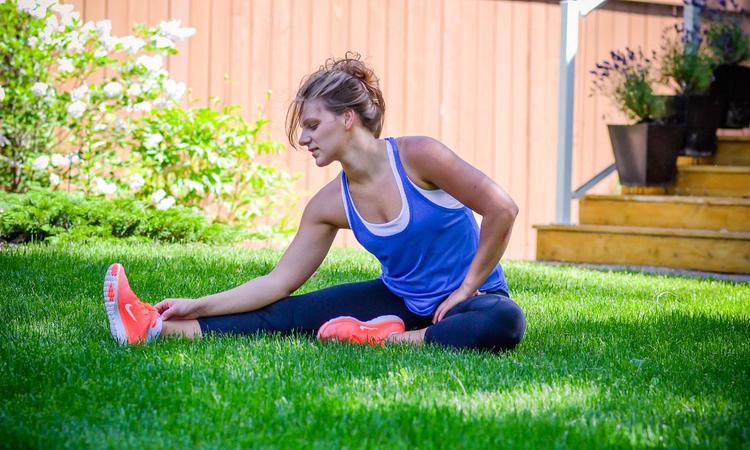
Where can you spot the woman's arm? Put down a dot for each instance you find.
(304, 255)
(435, 165)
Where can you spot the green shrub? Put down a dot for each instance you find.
(73, 97)
(40, 215)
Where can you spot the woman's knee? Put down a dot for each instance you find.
(510, 322)
(488, 322)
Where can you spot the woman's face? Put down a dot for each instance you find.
(323, 133)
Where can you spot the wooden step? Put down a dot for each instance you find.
(733, 151)
(711, 251)
(713, 181)
(730, 151)
(666, 211)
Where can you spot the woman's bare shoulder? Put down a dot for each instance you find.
(416, 153)
(327, 204)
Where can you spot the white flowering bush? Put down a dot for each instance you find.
(205, 155)
(83, 110)
(62, 115)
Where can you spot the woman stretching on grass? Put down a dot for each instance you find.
(408, 200)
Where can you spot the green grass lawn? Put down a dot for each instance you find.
(609, 360)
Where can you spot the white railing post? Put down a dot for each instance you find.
(568, 46)
(570, 11)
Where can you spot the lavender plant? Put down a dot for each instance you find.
(685, 62)
(627, 77)
(725, 38)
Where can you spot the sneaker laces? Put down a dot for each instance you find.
(149, 310)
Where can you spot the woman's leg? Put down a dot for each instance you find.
(189, 329)
(306, 313)
(485, 322)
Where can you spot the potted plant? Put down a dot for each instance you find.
(729, 45)
(646, 150)
(688, 68)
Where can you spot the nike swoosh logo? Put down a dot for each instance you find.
(363, 328)
(127, 308)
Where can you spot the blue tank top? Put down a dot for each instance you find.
(426, 251)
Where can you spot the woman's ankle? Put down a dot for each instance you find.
(415, 337)
(189, 329)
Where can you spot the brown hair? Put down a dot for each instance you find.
(342, 84)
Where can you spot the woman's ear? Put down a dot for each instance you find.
(349, 118)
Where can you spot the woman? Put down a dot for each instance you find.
(408, 200)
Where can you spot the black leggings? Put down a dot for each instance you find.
(489, 321)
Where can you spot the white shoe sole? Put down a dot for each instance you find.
(116, 328)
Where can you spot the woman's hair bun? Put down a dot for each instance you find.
(352, 64)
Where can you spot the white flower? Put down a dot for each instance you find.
(4, 141)
(165, 203)
(100, 53)
(51, 25)
(173, 31)
(195, 186)
(174, 89)
(74, 159)
(54, 179)
(76, 44)
(162, 42)
(39, 89)
(212, 157)
(37, 8)
(142, 107)
(26, 5)
(136, 182)
(59, 160)
(109, 117)
(112, 89)
(65, 65)
(157, 196)
(109, 42)
(80, 92)
(151, 63)
(101, 186)
(49, 30)
(132, 44)
(161, 103)
(87, 28)
(67, 15)
(134, 90)
(32, 41)
(225, 163)
(2, 93)
(149, 85)
(103, 27)
(152, 140)
(76, 109)
(41, 163)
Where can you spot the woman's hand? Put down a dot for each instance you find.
(178, 308)
(454, 299)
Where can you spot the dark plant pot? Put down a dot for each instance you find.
(646, 153)
(731, 85)
(701, 116)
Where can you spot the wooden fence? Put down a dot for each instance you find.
(480, 75)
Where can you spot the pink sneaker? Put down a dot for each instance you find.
(349, 329)
(130, 320)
